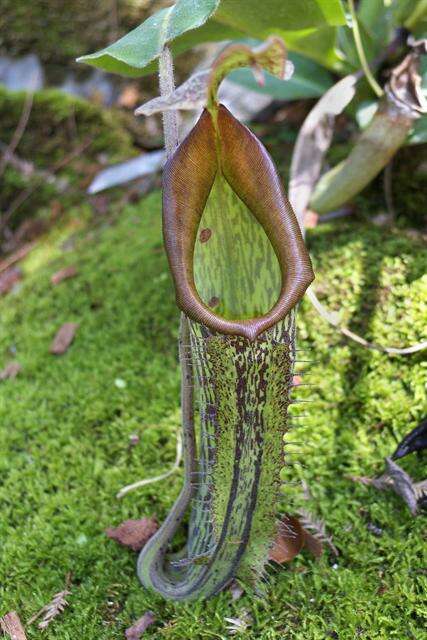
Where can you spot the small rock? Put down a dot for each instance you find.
(22, 74)
(372, 528)
(382, 219)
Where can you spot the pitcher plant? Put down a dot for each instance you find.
(240, 267)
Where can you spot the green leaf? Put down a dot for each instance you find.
(365, 112)
(262, 18)
(416, 21)
(379, 21)
(317, 44)
(137, 49)
(309, 80)
(188, 23)
(418, 134)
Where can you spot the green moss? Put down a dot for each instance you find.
(60, 122)
(60, 30)
(65, 428)
(58, 125)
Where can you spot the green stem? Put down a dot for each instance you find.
(361, 52)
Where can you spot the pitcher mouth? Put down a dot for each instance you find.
(229, 147)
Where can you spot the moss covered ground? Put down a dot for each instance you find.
(66, 422)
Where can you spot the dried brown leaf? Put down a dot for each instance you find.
(192, 94)
(133, 533)
(63, 274)
(312, 544)
(313, 141)
(8, 279)
(396, 479)
(136, 630)
(289, 540)
(64, 337)
(11, 370)
(405, 84)
(317, 528)
(402, 484)
(11, 626)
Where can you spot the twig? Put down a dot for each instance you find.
(18, 133)
(361, 53)
(163, 476)
(333, 320)
(16, 256)
(26, 193)
(388, 189)
(27, 168)
(54, 608)
(11, 625)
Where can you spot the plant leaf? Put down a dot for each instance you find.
(402, 484)
(266, 18)
(308, 80)
(289, 540)
(418, 134)
(143, 45)
(247, 169)
(313, 142)
(133, 533)
(415, 440)
(193, 93)
(63, 338)
(140, 626)
(188, 23)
